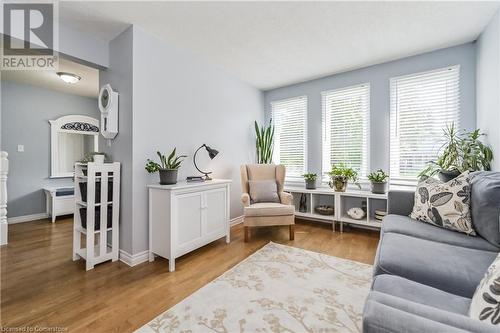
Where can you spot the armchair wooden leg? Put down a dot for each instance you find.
(292, 231)
(247, 233)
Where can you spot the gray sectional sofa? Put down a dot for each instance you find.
(425, 276)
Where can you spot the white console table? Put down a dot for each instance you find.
(341, 202)
(59, 200)
(186, 216)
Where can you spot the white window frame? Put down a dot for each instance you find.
(288, 176)
(326, 138)
(394, 159)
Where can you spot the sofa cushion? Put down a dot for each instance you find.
(263, 191)
(485, 305)
(451, 268)
(420, 293)
(444, 204)
(386, 313)
(408, 226)
(269, 209)
(485, 207)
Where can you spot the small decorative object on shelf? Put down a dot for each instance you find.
(379, 214)
(310, 179)
(303, 203)
(211, 153)
(378, 181)
(168, 168)
(340, 175)
(96, 215)
(356, 213)
(324, 210)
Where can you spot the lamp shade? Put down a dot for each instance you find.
(211, 152)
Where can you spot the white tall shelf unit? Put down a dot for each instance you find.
(341, 201)
(100, 241)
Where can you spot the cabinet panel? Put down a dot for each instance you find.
(215, 211)
(188, 224)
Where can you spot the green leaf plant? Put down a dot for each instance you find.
(172, 162)
(264, 142)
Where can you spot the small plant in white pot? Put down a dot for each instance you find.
(310, 179)
(168, 168)
(378, 180)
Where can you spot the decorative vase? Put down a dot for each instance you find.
(338, 183)
(168, 176)
(303, 203)
(379, 187)
(445, 175)
(310, 184)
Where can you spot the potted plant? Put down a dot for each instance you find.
(340, 175)
(378, 181)
(310, 179)
(264, 143)
(460, 152)
(168, 168)
(95, 156)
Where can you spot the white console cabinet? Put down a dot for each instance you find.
(186, 216)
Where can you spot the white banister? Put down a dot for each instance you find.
(4, 170)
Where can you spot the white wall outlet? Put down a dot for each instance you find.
(20, 148)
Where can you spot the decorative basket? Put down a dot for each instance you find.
(324, 210)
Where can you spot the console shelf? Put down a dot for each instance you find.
(341, 203)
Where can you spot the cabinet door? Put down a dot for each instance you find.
(215, 221)
(188, 222)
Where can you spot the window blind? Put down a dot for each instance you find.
(422, 105)
(290, 135)
(346, 118)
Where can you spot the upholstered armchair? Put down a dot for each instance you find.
(259, 214)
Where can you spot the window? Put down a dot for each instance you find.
(290, 136)
(422, 105)
(346, 115)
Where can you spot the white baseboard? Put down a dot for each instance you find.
(135, 259)
(236, 220)
(27, 218)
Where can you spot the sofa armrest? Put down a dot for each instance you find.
(286, 198)
(400, 202)
(245, 199)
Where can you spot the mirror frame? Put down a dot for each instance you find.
(77, 124)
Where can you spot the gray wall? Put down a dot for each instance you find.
(177, 101)
(488, 86)
(26, 111)
(119, 75)
(378, 76)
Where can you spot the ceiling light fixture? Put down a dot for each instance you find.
(69, 77)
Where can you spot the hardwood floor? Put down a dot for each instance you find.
(41, 286)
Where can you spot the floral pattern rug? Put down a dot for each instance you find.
(277, 289)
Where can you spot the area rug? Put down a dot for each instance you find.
(277, 289)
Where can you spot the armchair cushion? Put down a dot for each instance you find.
(263, 191)
(268, 209)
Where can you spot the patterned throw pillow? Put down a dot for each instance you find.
(485, 304)
(444, 204)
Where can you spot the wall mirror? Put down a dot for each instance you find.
(71, 137)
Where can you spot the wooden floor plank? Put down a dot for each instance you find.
(42, 286)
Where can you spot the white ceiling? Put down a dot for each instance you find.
(88, 86)
(271, 44)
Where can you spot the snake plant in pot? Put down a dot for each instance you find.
(264, 143)
(168, 168)
(340, 175)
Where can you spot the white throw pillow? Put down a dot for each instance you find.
(444, 204)
(263, 191)
(485, 304)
